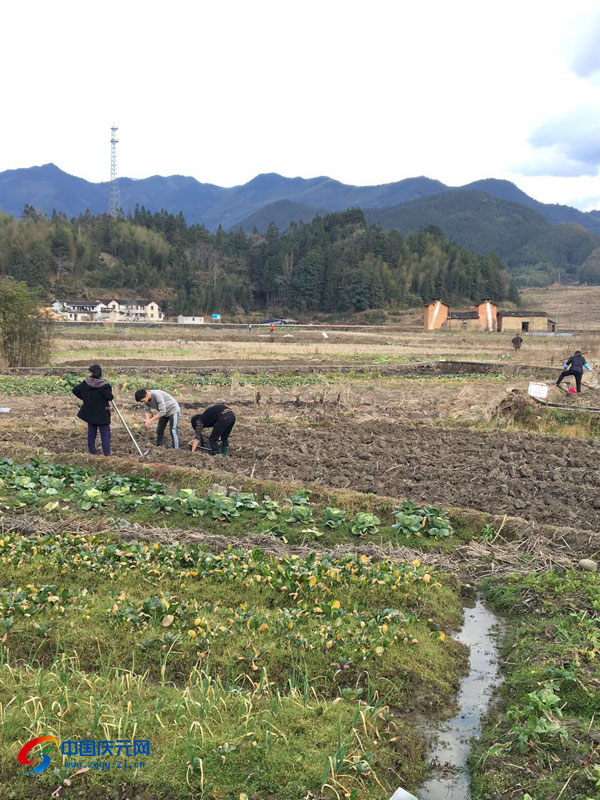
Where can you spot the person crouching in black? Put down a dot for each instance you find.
(221, 419)
(96, 394)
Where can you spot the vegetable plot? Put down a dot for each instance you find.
(54, 486)
(336, 620)
(304, 658)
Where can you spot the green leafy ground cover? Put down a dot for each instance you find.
(116, 352)
(15, 386)
(542, 740)
(58, 489)
(278, 678)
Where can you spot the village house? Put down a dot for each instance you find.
(485, 317)
(525, 322)
(109, 310)
(134, 310)
(463, 321)
(482, 317)
(80, 310)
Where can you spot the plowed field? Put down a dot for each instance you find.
(554, 480)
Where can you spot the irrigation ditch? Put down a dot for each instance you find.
(451, 741)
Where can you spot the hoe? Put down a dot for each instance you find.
(143, 453)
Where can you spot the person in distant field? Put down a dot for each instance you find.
(96, 394)
(166, 411)
(517, 341)
(272, 328)
(221, 419)
(574, 366)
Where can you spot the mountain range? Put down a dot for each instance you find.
(487, 215)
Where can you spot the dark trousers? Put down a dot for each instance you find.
(104, 437)
(221, 430)
(566, 372)
(161, 426)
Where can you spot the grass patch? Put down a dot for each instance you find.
(568, 423)
(15, 386)
(237, 613)
(206, 740)
(541, 739)
(274, 677)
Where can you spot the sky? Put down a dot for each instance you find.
(365, 92)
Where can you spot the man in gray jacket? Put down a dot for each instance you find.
(163, 407)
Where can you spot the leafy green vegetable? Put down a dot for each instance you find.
(334, 517)
(364, 524)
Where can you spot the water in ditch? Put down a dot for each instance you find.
(452, 742)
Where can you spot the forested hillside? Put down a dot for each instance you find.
(539, 242)
(520, 235)
(536, 251)
(336, 263)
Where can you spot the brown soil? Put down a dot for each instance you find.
(359, 443)
(407, 400)
(550, 480)
(517, 406)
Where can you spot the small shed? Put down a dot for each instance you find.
(181, 320)
(525, 322)
(463, 321)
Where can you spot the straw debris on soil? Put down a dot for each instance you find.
(521, 549)
(516, 406)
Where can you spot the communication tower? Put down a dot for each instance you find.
(114, 201)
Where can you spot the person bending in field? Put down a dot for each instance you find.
(221, 419)
(574, 366)
(96, 394)
(163, 407)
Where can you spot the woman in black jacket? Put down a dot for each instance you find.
(96, 394)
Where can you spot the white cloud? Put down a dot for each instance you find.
(585, 202)
(552, 161)
(567, 145)
(584, 45)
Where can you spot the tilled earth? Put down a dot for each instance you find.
(552, 480)
(545, 479)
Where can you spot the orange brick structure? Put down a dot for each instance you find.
(436, 314)
(482, 317)
(488, 315)
(485, 317)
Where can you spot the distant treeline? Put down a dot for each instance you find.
(336, 263)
